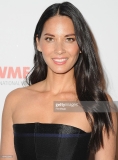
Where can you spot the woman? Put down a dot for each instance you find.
(66, 68)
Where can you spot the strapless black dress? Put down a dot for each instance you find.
(50, 141)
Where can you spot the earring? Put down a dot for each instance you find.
(80, 52)
(39, 51)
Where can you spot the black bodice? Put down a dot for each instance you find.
(50, 141)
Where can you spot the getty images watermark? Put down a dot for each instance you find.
(6, 156)
(86, 106)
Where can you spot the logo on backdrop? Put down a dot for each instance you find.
(13, 75)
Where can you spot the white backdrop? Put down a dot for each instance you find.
(17, 24)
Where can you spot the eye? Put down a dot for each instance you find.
(49, 39)
(70, 39)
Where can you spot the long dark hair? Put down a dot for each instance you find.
(89, 75)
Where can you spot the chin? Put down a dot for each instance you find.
(60, 72)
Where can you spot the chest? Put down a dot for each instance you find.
(42, 109)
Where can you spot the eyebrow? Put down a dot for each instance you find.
(48, 34)
(68, 35)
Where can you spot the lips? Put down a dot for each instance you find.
(60, 60)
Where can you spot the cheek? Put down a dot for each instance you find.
(46, 51)
(46, 48)
(74, 50)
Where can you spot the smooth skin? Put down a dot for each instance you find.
(35, 103)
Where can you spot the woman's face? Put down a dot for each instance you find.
(58, 44)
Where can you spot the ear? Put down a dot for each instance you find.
(38, 44)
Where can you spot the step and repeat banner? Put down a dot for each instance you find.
(18, 19)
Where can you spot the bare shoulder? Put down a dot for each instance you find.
(11, 98)
(18, 93)
(21, 95)
(15, 95)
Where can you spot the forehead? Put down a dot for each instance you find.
(59, 24)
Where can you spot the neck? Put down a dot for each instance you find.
(57, 83)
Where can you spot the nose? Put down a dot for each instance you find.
(59, 48)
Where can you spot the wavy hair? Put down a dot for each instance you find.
(89, 75)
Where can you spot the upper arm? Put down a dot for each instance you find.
(109, 150)
(7, 137)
